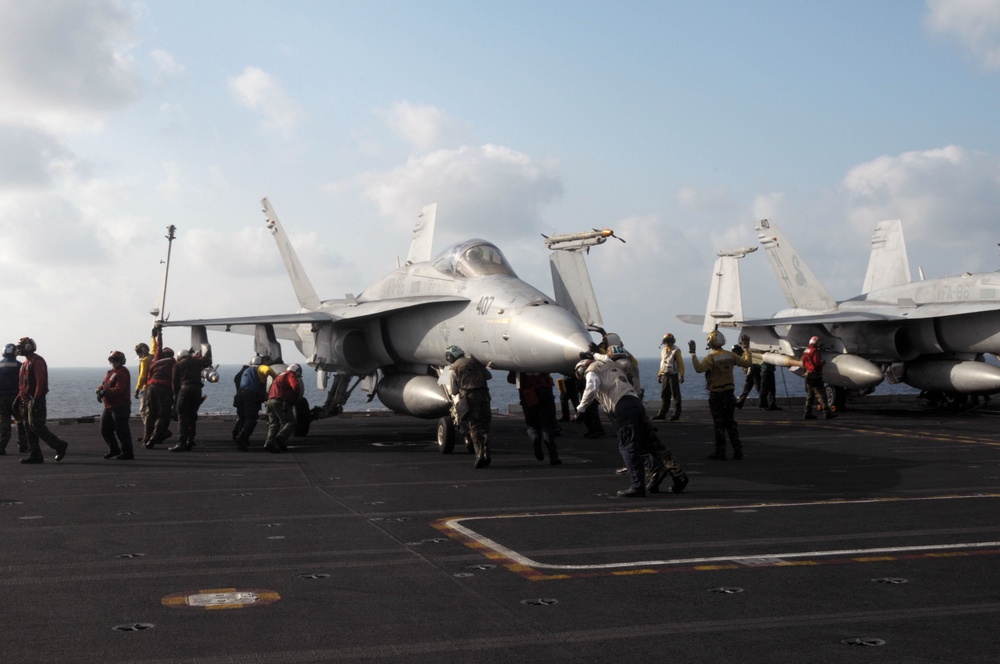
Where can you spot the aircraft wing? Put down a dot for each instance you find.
(824, 318)
(331, 311)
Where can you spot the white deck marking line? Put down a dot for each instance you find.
(505, 552)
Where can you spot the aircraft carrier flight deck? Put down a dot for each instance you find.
(872, 537)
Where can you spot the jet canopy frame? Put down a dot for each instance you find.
(473, 258)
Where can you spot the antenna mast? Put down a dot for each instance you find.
(158, 313)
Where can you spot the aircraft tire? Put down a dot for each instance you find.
(446, 435)
(303, 418)
(836, 397)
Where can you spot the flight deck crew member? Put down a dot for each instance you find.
(609, 383)
(767, 387)
(33, 385)
(285, 392)
(251, 393)
(718, 368)
(114, 393)
(670, 377)
(469, 380)
(752, 382)
(812, 362)
(159, 393)
(187, 395)
(142, 380)
(569, 393)
(10, 367)
(539, 408)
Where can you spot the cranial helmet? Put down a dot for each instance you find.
(141, 349)
(814, 342)
(256, 361)
(167, 352)
(617, 352)
(26, 346)
(117, 356)
(668, 339)
(716, 339)
(452, 353)
(612, 339)
(10, 350)
(295, 369)
(581, 367)
(185, 352)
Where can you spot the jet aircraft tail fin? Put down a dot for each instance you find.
(304, 290)
(423, 235)
(573, 289)
(725, 294)
(888, 264)
(801, 287)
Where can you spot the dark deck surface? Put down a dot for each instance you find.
(873, 537)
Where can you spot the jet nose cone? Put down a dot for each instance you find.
(547, 338)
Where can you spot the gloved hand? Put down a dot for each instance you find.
(155, 331)
(659, 379)
(692, 347)
(745, 340)
(586, 355)
(137, 394)
(682, 379)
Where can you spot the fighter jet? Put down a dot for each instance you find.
(931, 334)
(392, 335)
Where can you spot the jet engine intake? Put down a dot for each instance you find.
(343, 350)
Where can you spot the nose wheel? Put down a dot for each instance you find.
(448, 434)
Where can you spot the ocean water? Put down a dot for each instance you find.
(71, 390)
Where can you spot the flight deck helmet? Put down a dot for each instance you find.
(141, 349)
(26, 346)
(716, 339)
(167, 352)
(184, 352)
(452, 353)
(617, 352)
(116, 356)
(581, 367)
(668, 340)
(10, 350)
(256, 361)
(295, 369)
(814, 342)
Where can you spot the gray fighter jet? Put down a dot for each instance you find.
(392, 336)
(931, 334)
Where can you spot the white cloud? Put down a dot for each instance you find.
(948, 196)
(422, 126)
(64, 65)
(478, 189)
(974, 23)
(260, 92)
(167, 68)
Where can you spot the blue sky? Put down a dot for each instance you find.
(676, 124)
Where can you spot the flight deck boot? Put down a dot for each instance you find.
(553, 453)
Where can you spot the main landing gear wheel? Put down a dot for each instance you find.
(446, 435)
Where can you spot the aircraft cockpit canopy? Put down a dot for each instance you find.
(473, 258)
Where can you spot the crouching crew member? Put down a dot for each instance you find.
(250, 394)
(285, 392)
(608, 382)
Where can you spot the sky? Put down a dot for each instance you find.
(677, 124)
